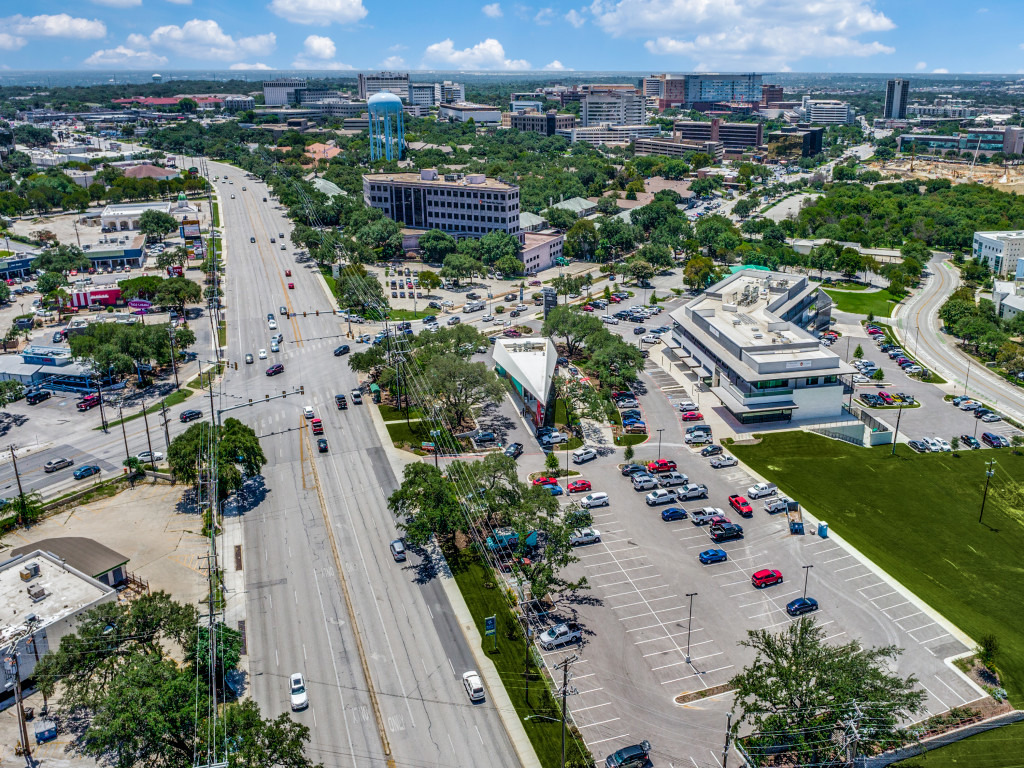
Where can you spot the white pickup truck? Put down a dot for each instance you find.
(560, 634)
(778, 504)
(761, 489)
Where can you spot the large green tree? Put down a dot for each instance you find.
(426, 504)
(571, 326)
(458, 386)
(435, 245)
(155, 224)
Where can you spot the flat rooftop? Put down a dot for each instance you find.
(67, 591)
(739, 311)
(440, 181)
(533, 239)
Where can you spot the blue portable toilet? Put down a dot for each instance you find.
(823, 530)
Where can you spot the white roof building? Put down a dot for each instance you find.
(530, 365)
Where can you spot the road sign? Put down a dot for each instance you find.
(490, 625)
(140, 304)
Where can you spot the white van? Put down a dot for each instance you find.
(596, 499)
(581, 455)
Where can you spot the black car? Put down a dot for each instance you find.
(917, 445)
(970, 442)
(190, 415)
(275, 369)
(801, 605)
(341, 401)
(433, 305)
(342, 350)
(725, 532)
(639, 330)
(711, 450)
(37, 397)
(979, 412)
(631, 469)
(514, 450)
(58, 337)
(429, 319)
(321, 445)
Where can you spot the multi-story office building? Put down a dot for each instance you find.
(616, 107)
(1001, 251)
(281, 91)
(547, 123)
(238, 103)
(462, 205)
(771, 94)
(423, 94)
(679, 148)
(481, 114)
(951, 111)
(808, 139)
(394, 82)
(705, 90)
(746, 336)
(735, 137)
(896, 93)
(652, 86)
(339, 108)
(606, 133)
(985, 141)
(826, 111)
(449, 92)
(526, 105)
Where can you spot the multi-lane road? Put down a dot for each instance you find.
(921, 333)
(377, 641)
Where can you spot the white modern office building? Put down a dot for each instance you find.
(281, 91)
(1001, 251)
(463, 205)
(746, 338)
(615, 107)
(607, 133)
(826, 112)
(395, 82)
(463, 112)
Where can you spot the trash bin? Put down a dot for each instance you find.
(796, 528)
(823, 530)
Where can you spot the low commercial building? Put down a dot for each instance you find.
(41, 598)
(148, 171)
(735, 137)
(469, 205)
(1008, 296)
(606, 133)
(747, 338)
(1001, 251)
(982, 140)
(540, 249)
(238, 103)
(125, 216)
(579, 206)
(679, 148)
(529, 364)
(545, 123)
(463, 112)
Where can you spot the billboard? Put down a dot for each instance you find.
(190, 228)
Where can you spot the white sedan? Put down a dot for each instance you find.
(263, 354)
(487, 318)
(944, 446)
(474, 685)
(860, 378)
(147, 458)
(584, 536)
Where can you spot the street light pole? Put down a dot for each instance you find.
(988, 476)
(659, 442)
(807, 572)
(689, 624)
(968, 377)
(896, 434)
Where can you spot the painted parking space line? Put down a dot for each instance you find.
(641, 602)
(862, 576)
(631, 580)
(834, 559)
(620, 570)
(653, 613)
(908, 616)
(702, 675)
(602, 722)
(932, 694)
(672, 650)
(577, 710)
(849, 567)
(636, 591)
(674, 634)
(883, 610)
(918, 629)
(602, 741)
(933, 639)
(951, 690)
(870, 586)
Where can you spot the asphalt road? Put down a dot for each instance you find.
(920, 328)
(299, 608)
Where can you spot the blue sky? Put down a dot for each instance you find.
(656, 35)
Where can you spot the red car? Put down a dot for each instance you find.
(766, 578)
(579, 485)
(511, 333)
(718, 520)
(291, 286)
(287, 273)
(886, 397)
(661, 465)
(693, 416)
(615, 300)
(741, 505)
(546, 481)
(587, 308)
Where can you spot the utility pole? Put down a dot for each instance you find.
(896, 434)
(174, 365)
(565, 691)
(988, 476)
(17, 476)
(99, 395)
(728, 740)
(167, 434)
(149, 439)
(15, 669)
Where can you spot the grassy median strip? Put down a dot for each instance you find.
(998, 748)
(176, 397)
(916, 516)
(507, 649)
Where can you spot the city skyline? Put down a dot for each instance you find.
(863, 36)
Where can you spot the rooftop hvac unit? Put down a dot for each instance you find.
(36, 592)
(737, 321)
(758, 335)
(29, 572)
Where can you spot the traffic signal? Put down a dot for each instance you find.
(302, 389)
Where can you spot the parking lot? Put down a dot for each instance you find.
(638, 630)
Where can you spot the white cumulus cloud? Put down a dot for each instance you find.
(125, 57)
(493, 10)
(747, 34)
(319, 47)
(319, 11)
(557, 66)
(185, 2)
(10, 42)
(54, 25)
(544, 16)
(118, 3)
(575, 18)
(242, 65)
(393, 62)
(921, 65)
(204, 39)
(489, 54)
(940, 71)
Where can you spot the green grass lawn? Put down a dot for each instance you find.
(877, 303)
(623, 440)
(389, 413)
(916, 516)
(510, 660)
(408, 314)
(216, 214)
(176, 397)
(998, 748)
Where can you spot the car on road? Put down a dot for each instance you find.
(87, 471)
(252, 239)
(454, 320)
(559, 635)
(719, 462)
(397, 548)
(741, 505)
(357, 396)
(190, 415)
(148, 457)
(262, 354)
(275, 369)
(644, 482)
(970, 441)
(711, 450)
(766, 577)
(577, 486)
(661, 465)
(584, 536)
(342, 350)
(660, 496)
(34, 398)
(709, 556)
(248, 358)
(308, 412)
(297, 688)
(514, 450)
(801, 606)
(341, 401)
(283, 310)
(291, 286)
(487, 318)
(54, 464)
(673, 513)
(321, 445)
(271, 322)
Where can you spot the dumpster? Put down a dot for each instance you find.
(46, 730)
(823, 530)
(796, 527)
